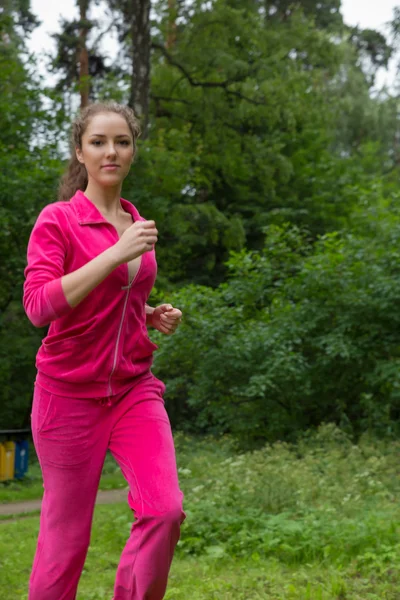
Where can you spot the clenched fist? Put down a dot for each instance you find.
(136, 240)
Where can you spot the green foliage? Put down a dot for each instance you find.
(28, 174)
(317, 520)
(260, 119)
(264, 140)
(294, 337)
(257, 114)
(65, 62)
(246, 95)
(287, 501)
(16, 14)
(195, 237)
(326, 13)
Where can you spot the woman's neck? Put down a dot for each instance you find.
(107, 200)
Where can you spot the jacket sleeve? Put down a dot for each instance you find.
(43, 298)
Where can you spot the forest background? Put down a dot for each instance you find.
(271, 168)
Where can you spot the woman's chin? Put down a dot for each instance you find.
(110, 181)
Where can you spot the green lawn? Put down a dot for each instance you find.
(196, 577)
(30, 488)
(317, 521)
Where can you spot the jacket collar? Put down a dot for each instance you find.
(88, 214)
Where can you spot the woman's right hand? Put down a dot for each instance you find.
(136, 240)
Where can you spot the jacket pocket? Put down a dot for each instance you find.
(82, 341)
(76, 359)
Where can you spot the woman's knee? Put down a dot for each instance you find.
(174, 516)
(170, 517)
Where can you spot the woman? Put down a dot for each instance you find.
(91, 267)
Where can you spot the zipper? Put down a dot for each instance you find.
(117, 342)
(130, 284)
(128, 289)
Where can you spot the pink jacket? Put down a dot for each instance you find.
(98, 347)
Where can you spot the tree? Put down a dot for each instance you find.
(83, 53)
(16, 18)
(28, 172)
(78, 59)
(243, 92)
(296, 335)
(135, 34)
(326, 13)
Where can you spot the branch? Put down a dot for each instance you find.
(103, 33)
(249, 400)
(207, 84)
(243, 97)
(156, 98)
(163, 112)
(182, 69)
(176, 84)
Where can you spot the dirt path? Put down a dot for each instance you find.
(21, 508)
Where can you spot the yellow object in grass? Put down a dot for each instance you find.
(7, 461)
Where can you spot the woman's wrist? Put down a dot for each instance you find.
(149, 315)
(112, 256)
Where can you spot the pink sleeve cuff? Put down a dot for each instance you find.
(56, 298)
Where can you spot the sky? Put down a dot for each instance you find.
(373, 14)
(49, 13)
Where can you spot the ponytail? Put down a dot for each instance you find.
(75, 178)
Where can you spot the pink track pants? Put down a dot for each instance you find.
(71, 437)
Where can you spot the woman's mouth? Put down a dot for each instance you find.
(110, 167)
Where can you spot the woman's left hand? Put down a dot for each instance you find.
(166, 318)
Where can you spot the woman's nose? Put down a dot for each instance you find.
(111, 150)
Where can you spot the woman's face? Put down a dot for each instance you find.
(107, 149)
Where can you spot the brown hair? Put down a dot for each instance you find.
(75, 178)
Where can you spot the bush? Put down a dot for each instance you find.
(321, 498)
(294, 338)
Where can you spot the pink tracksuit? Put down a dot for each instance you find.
(95, 391)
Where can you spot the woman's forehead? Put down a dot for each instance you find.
(109, 123)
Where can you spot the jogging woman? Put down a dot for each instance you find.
(91, 268)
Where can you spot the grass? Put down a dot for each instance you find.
(31, 488)
(196, 577)
(315, 521)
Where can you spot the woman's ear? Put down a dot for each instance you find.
(78, 152)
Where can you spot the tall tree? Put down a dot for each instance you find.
(28, 172)
(141, 45)
(78, 60)
(83, 53)
(135, 34)
(249, 127)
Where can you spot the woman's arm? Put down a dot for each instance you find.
(149, 315)
(48, 293)
(78, 284)
(43, 297)
(137, 239)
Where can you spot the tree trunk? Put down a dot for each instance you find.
(84, 85)
(141, 44)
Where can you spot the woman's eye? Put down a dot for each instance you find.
(100, 142)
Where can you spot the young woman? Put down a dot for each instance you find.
(91, 267)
